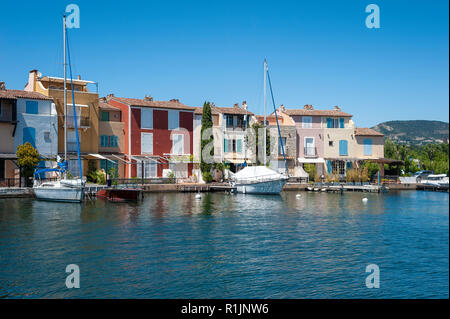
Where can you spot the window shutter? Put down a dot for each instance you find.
(329, 167)
(329, 122)
(31, 107)
(343, 147)
(341, 123)
(29, 135)
(225, 145)
(239, 146)
(367, 146)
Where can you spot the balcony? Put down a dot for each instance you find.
(82, 121)
(71, 146)
(310, 151)
(235, 127)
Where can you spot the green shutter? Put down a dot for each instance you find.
(238, 146)
(225, 145)
(341, 123)
(329, 122)
(105, 116)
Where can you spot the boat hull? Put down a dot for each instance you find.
(60, 194)
(119, 195)
(267, 187)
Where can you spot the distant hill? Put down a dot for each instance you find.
(414, 132)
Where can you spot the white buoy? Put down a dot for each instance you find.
(364, 200)
(298, 196)
(198, 196)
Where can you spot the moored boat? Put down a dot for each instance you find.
(120, 194)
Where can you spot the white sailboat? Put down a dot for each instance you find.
(261, 179)
(63, 189)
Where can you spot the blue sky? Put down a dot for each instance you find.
(319, 52)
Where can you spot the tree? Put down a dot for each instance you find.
(207, 123)
(27, 159)
(256, 127)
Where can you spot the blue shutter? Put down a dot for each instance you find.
(368, 146)
(329, 122)
(114, 142)
(29, 135)
(349, 165)
(238, 146)
(225, 145)
(329, 167)
(343, 151)
(341, 123)
(32, 107)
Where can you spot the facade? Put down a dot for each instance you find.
(111, 139)
(87, 110)
(230, 131)
(329, 140)
(158, 136)
(288, 132)
(26, 117)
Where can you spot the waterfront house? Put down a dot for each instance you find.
(26, 117)
(288, 132)
(158, 136)
(229, 130)
(111, 139)
(87, 111)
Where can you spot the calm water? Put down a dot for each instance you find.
(228, 246)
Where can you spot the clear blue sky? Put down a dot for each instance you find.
(319, 52)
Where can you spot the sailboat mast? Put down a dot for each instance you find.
(265, 103)
(65, 90)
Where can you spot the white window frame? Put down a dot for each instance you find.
(304, 144)
(173, 143)
(306, 124)
(142, 139)
(173, 115)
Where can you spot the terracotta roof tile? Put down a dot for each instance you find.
(317, 112)
(367, 132)
(20, 94)
(105, 106)
(172, 104)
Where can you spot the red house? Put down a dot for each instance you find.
(158, 136)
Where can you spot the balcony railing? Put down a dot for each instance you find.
(310, 151)
(82, 121)
(238, 127)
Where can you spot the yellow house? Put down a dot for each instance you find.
(87, 110)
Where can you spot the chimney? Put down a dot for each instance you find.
(282, 108)
(337, 108)
(2, 86)
(175, 100)
(148, 98)
(236, 105)
(244, 105)
(109, 96)
(308, 107)
(79, 77)
(32, 78)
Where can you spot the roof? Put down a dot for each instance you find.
(367, 132)
(20, 94)
(172, 104)
(316, 112)
(106, 106)
(224, 110)
(57, 79)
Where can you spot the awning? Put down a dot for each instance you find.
(101, 157)
(235, 161)
(11, 156)
(311, 160)
(141, 158)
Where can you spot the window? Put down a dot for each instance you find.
(280, 150)
(343, 148)
(113, 141)
(232, 145)
(174, 119)
(229, 120)
(330, 143)
(179, 169)
(73, 167)
(306, 122)
(147, 143)
(31, 107)
(104, 140)
(2, 168)
(105, 116)
(310, 147)
(29, 135)
(111, 164)
(334, 123)
(239, 146)
(149, 167)
(177, 144)
(338, 167)
(47, 137)
(341, 122)
(147, 118)
(368, 146)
